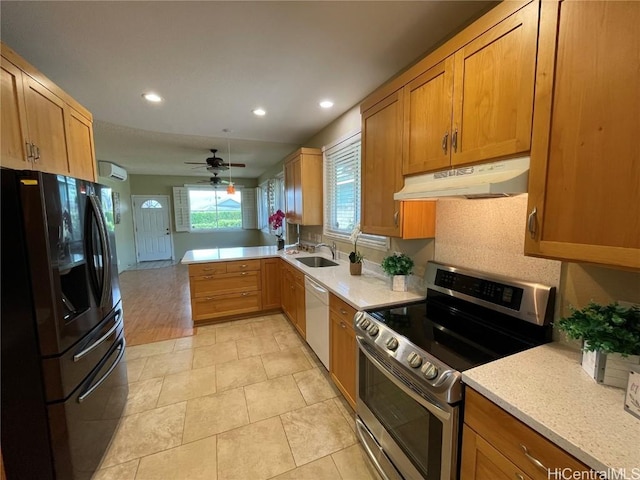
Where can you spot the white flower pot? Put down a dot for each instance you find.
(609, 369)
(399, 283)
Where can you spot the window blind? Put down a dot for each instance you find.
(181, 209)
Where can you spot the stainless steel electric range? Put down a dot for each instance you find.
(410, 359)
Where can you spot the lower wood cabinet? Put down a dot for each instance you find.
(225, 289)
(293, 297)
(342, 347)
(496, 445)
(271, 297)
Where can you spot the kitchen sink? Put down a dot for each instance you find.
(317, 262)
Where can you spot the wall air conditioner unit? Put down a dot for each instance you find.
(111, 170)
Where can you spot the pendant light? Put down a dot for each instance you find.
(231, 189)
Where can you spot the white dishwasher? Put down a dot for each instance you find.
(317, 312)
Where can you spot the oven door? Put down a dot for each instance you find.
(418, 435)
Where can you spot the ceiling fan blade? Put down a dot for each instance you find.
(195, 163)
(239, 165)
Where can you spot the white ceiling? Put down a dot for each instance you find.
(214, 62)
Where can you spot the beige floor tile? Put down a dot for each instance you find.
(149, 349)
(287, 340)
(255, 452)
(285, 362)
(315, 385)
(316, 431)
(347, 412)
(187, 385)
(142, 396)
(146, 433)
(202, 339)
(322, 469)
(213, 414)
(312, 357)
(271, 325)
(125, 471)
(273, 397)
(353, 464)
(233, 332)
(252, 346)
(134, 368)
(214, 354)
(166, 364)
(192, 461)
(239, 373)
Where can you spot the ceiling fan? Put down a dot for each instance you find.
(216, 180)
(215, 163)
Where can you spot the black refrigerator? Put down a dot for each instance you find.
(64, 379)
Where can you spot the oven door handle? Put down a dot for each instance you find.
(438, 412)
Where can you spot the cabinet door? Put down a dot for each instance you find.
(82, 160)
(342, 359)
(45, 117)
(289, 193)
(584, 184)
(493, 90)
(480, 461)
(14, 127)
(297, 191)
(382, 166)
(301, 316)
(427, 120)
(270, 283)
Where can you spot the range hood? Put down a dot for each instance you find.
(497, 179)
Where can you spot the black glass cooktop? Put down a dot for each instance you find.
(460, 334)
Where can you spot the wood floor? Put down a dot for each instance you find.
(156, 304)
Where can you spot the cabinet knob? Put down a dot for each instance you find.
(531, 222)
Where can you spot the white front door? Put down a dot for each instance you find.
(152, 227)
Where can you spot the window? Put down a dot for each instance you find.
(271, 194)
(342, 191)
(151, 204)
(202, 209)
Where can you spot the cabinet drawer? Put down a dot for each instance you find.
(208, 285)
(213, 268)
(342, 309)
(243, 266)
(511, 437)
(225, 305)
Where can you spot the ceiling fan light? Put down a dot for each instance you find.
(231, 189)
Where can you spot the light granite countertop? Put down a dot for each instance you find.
(363, 292)
(546, 388)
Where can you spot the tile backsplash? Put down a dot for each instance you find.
(488, 235)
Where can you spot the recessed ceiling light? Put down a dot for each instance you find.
(326, 104)
(152, 97)
(260, 112)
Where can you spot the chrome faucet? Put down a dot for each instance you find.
(331, 247)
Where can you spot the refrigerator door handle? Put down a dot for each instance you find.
(84, 395)
(78, 356)
(104, 241)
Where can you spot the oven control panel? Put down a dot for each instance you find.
(434, 376)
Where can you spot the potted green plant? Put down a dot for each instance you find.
(611, 340)
(355, 257)
(398, 266)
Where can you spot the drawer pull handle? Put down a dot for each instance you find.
(533, 459)
(343, 325)
(208, 298)
(343, 311)
(208, 277)
(243, 266)
(244, 294)
(207, 269)
(244, 273)
(519, 477)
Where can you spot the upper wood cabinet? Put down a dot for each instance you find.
(584, 183)
(43, 128)
(13, 145)
(476, 104)
(382, 167)
(303, 187)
